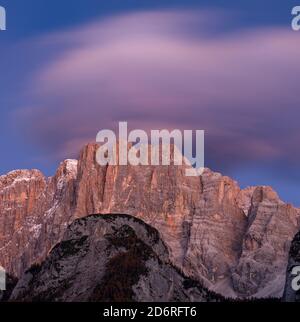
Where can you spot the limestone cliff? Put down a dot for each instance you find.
(234, 241)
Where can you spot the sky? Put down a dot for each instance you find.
(231, 68)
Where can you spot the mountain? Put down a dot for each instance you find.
(236, 242)
(291, 295)
(35, 212)
(109, 258)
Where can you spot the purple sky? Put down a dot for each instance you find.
(158, 68)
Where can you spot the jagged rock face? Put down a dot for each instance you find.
(198, 217)
(292, 293)
(209, 224)
(235, 241)
(161, 195)
(20, 191)
(34, 213)
(85, 266)
(271, 226)
(244, 199)
(216, 231)
(56, 209)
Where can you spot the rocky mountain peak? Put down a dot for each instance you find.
(16, 177)
(265, 194)
(85, 266)
(66, 171)
(235, 241)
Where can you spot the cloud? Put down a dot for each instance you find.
(170, 70)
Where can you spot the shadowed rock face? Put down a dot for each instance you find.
(234, 241)
(291, 295)
(109, 258)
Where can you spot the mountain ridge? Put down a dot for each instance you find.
(234, 240)
(85, 266)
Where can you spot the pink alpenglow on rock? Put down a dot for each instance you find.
(236, 242)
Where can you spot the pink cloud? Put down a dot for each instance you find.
(155, 71)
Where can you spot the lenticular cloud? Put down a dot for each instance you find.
(170, 70)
